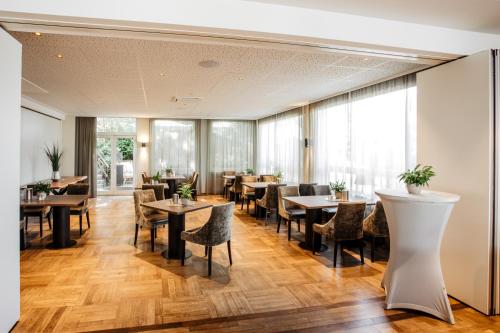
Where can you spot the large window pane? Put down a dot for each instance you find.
(174, 145)
(116, 125)
(230, 148)
(279, 145)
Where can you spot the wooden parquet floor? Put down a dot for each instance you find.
(105, 284)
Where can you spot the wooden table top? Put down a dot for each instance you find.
(229, 176)
(176, 209)
(322, 201)
(67, 180)
(56, 200)
(173, 177)
(257, 184)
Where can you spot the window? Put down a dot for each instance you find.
(365, 138)
(230, 148)
(279, 145)
(116, 125)
(174, 145)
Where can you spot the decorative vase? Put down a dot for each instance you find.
(344, 196)
(185, 201)
(413, 188)
(278, 180)
(338, 195)
(42, 196)
(56, 175)
(154, 181)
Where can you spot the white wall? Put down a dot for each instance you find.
(37, 131)
(68, 146)
(454, 134)
(10, 145)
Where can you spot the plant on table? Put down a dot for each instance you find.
(249, 171)
(54, 155)
(338, 187)
(169, 170)
(279, 176)
(42, 189)
(416, 178)
(157, 177)
(185, 193)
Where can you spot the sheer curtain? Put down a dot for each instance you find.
(174, 145)
(279, 145)
(365, 138)
(230, 148)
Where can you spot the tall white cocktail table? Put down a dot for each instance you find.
(413, 278)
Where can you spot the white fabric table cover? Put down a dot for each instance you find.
(413, 278)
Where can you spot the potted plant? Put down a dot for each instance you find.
(339, 189)
(248, 171)
(185, 193)
(156, 178)
(169, 171)
(54, 155)
(42, 189)
(416, 178)
(279, 176)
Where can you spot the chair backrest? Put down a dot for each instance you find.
(218, 227)
(78, 189)
(145, 178)
(142, 196)
(247, 179)
(237, 184)
(376, 222)
(229, 173)
(305, 189)
(321, 190)
(286, 191)
(158, 188)
(348, 221)
(272, 195)
(194, 180)
(267, 178)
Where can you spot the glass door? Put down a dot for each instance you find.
(115, 164)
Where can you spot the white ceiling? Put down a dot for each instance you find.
(473, 15)
(103, 76)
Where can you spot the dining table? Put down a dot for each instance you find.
(172, 184)
(176, 223)
(60, 205)
(259, 189)
(60, 186)
(314, 206)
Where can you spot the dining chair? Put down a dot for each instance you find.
(247, 194)
(288, 211)
(320, 190)
(236, 188)
(305, 189)
(345, 228)
(145, 178)
(41, 212)
(159, 189)
(227, 183)
(270, 200)
(216, 231)
(83, 208)
(194, 185)
(147, 218)
(375, 226)
(267, 178)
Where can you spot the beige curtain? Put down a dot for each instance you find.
(85, 151)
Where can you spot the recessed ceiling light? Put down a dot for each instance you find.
(208, 63)
(366, 59)
(38, 33)
(59, 56)
(163, 74)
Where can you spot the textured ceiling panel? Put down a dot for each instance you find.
(131, 77)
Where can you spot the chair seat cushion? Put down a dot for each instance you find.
(157, 218)
(295, 212)
(78, 209)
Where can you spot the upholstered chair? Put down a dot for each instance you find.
(145, 178)
(227, 182)
(270, 200)
(147, 218)
(40, 212)
(80, 189)
(268, 178)
(287, 211)
(346, 227)
(158, 188)
(320, 190)
(215, 232)
(375, 226)
(194, 185)
(305, 189)
(247, 194)
(236, 188)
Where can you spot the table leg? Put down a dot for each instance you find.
(259, 211)
(312, 216)
(61, 228)
(176, 225)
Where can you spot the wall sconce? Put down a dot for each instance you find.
(143, 144)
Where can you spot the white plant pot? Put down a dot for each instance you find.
(184, 201)
(154, 182)
(413, 189)
(42, 196)
(56, 175)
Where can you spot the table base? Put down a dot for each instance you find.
(55, 246)
(187, 254)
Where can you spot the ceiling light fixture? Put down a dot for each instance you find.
(208, 63)
(59, 56)
(163, 74)
(38, 33)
